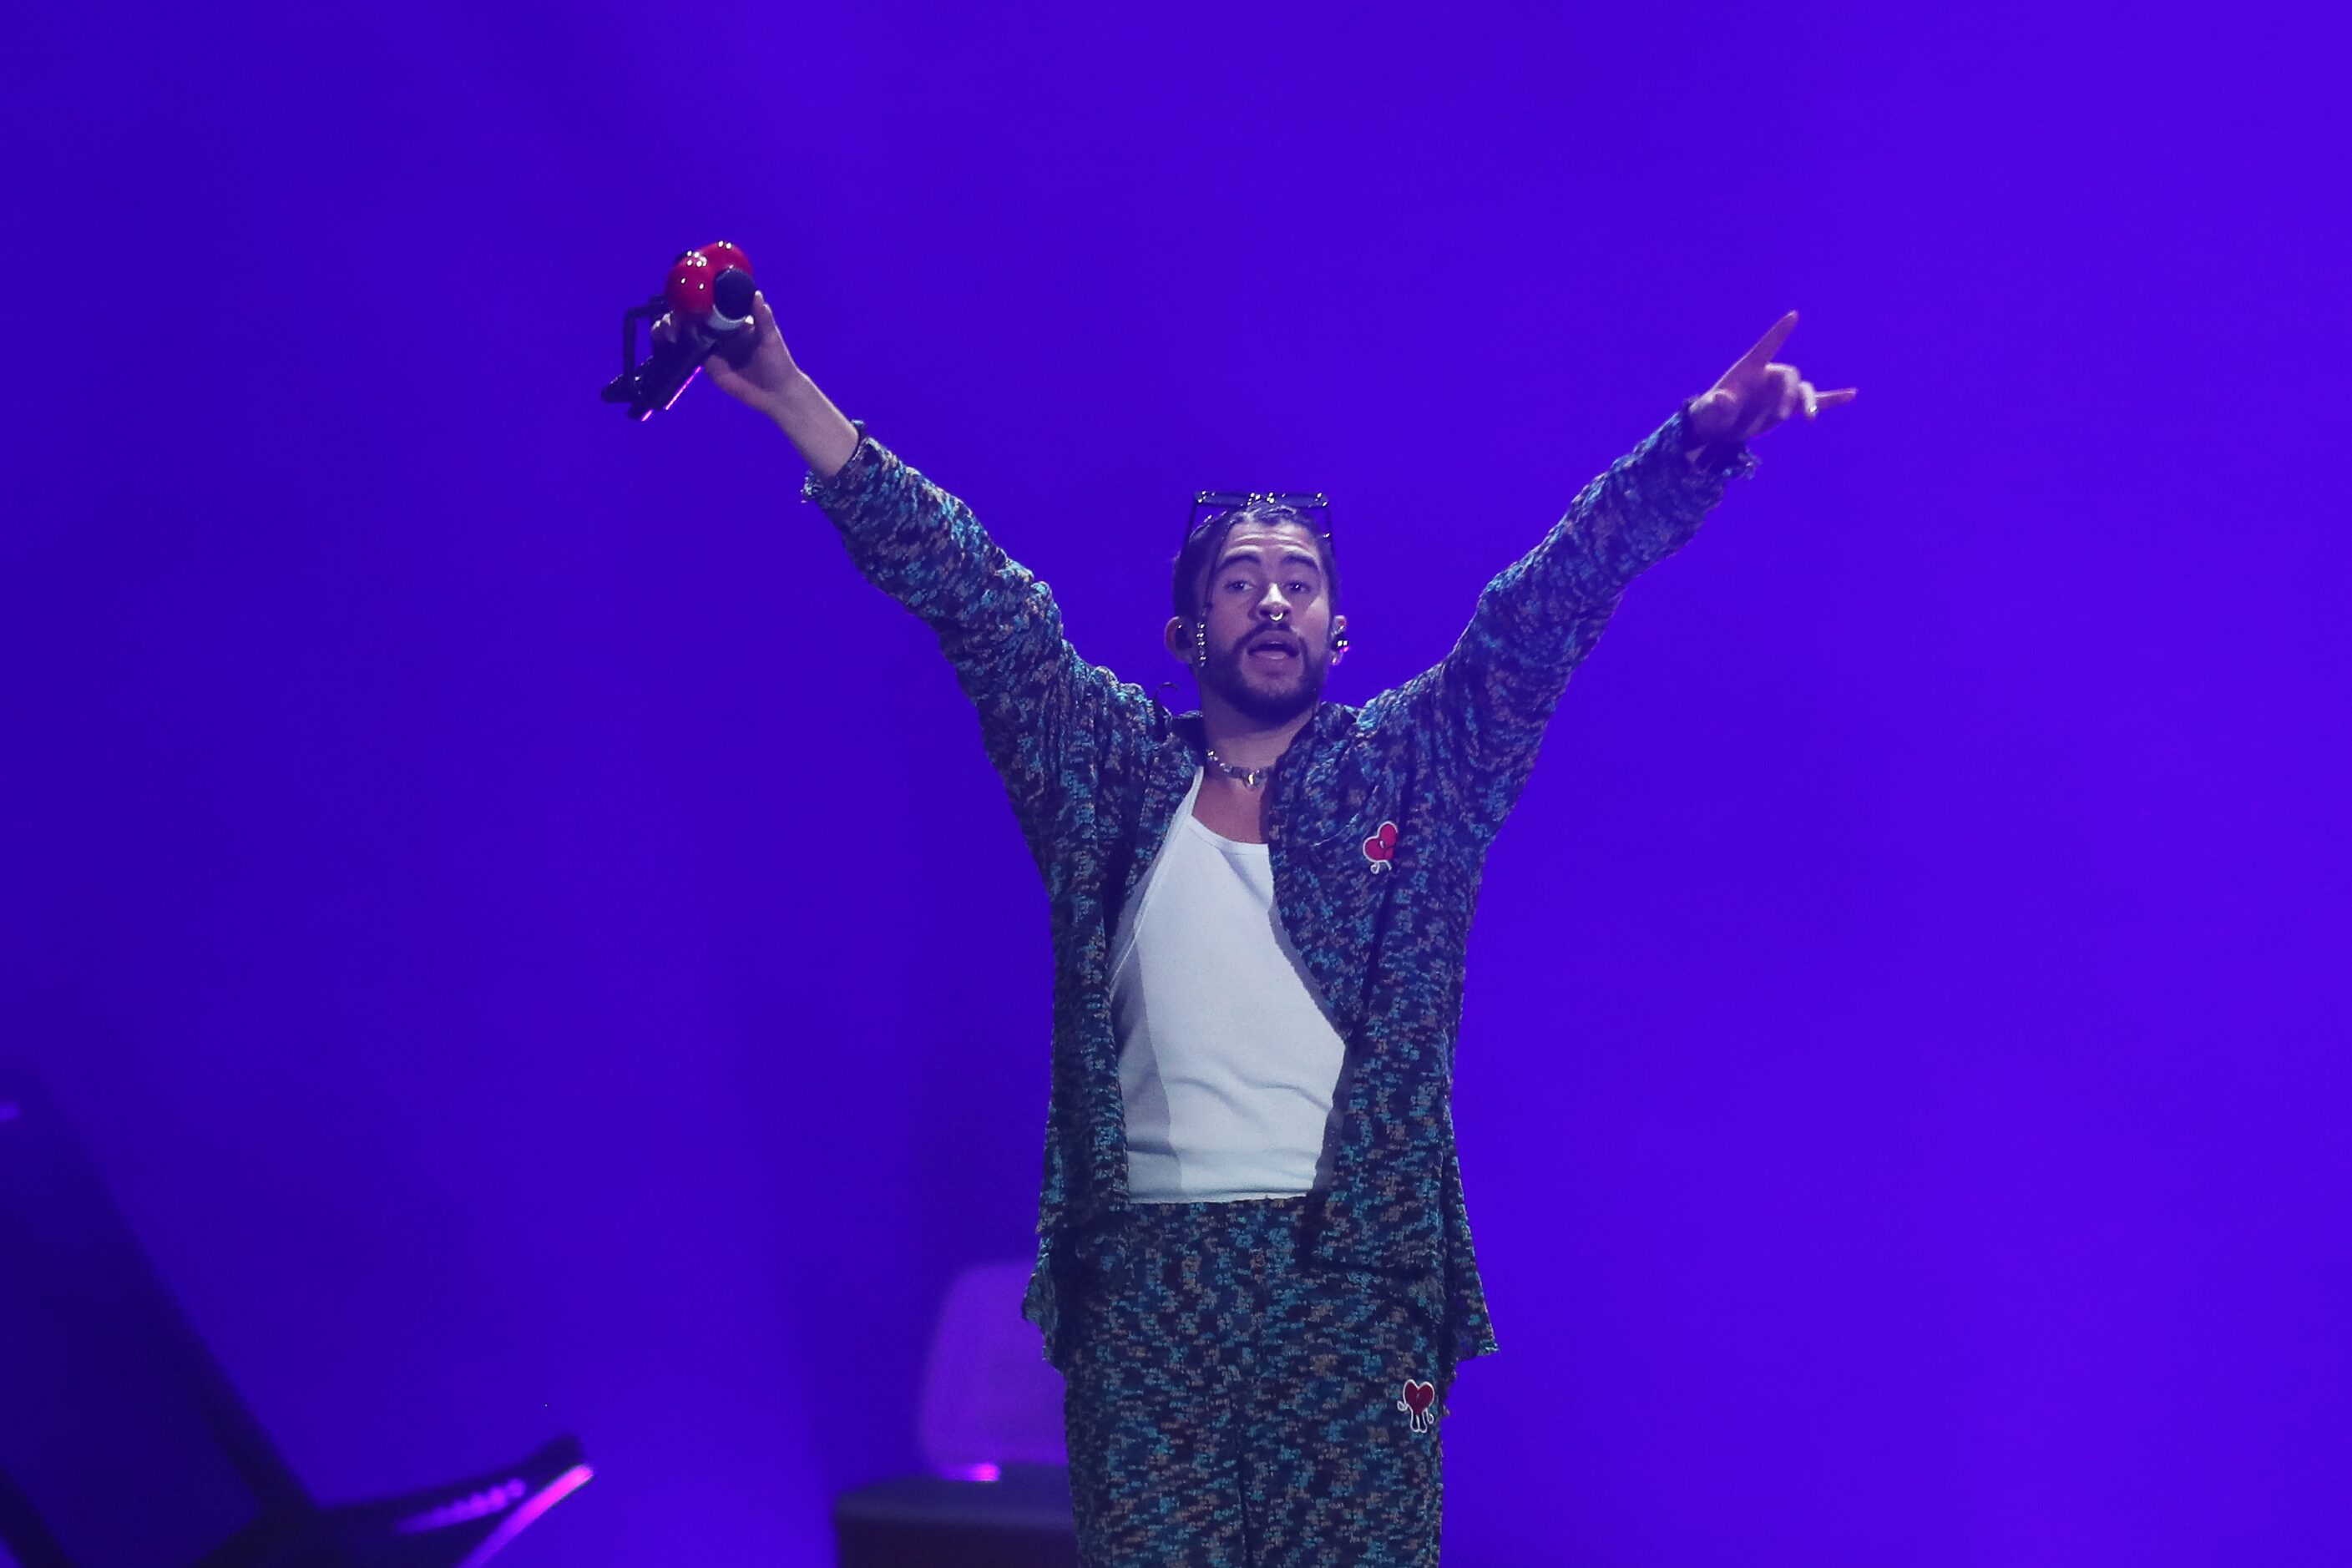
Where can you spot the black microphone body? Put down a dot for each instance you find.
(656, 381)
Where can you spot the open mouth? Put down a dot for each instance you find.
(1274, 650)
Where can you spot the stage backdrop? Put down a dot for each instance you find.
(537, 946)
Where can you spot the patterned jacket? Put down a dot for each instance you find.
(1377, 822)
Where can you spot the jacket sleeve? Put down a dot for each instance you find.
(1045, 712)
(1483, 708)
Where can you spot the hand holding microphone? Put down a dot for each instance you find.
(715, 319)
(710, 316)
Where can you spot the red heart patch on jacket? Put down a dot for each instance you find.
(1382, 845)
(1419, 1398)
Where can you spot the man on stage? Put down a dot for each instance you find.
(1254, 1268)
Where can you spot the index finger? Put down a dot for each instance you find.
(1757, 358)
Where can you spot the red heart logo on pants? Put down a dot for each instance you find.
(1382, 845)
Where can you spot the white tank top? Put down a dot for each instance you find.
(1228, 1068)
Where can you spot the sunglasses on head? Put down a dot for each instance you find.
(1210, 505)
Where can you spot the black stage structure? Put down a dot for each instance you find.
(123, 1444)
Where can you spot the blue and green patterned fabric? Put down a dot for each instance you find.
(1379, 820)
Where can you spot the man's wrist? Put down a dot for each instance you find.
(824, 437)
(792, 398)
(1718, 458)
(1696, 447)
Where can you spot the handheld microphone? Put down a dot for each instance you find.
(709, 297)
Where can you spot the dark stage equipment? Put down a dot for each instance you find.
(123, 1444)
(998, 1495)
(1020, 1519)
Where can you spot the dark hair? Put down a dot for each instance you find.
(1203, 543)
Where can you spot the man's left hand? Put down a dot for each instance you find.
(1757, 393)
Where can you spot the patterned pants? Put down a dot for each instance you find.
(1230, 1402)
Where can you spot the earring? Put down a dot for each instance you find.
(1200, 646)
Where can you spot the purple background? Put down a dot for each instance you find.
(537, 944)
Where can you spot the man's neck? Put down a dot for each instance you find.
(1244, 742)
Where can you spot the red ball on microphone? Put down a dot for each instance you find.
(722, 255)
(691, 278)
(688, 289)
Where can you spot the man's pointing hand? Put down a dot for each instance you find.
(1757, 393)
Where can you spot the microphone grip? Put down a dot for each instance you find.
(666, 371)
(656, 381)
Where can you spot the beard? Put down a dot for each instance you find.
(1262, 703)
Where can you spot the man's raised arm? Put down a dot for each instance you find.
(757, 370)
(1043, 711)
(1486, 703)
